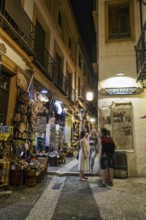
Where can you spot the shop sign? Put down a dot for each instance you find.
(23, 80)
(121, 91)
(3, 47)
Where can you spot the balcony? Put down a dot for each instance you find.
(140, 49)
(82, 93)
(16, 23)
(62, 84)
(44, 62)
(71, 94)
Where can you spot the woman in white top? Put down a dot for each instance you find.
(83, 163)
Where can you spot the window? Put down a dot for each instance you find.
(80, 61)
(79, 86)
(119, 20)
(39, 40)
(59, 19)
(69, 43)
(84, 69)
(58, 72)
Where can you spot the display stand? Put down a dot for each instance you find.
(5, 150)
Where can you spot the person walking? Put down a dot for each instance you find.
(83, 162)
(107, 158)
(93, 142)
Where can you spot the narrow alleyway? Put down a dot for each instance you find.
(64, 197)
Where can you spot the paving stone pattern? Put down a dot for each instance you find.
(76, 202)
(18, 204)
(63, 197)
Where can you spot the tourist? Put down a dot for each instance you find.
(84, 152)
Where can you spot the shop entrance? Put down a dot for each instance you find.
(3, 105)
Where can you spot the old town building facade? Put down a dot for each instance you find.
(121, 38)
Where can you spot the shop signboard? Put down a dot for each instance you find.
(24, 79)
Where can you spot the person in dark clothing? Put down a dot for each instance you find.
(107, 160)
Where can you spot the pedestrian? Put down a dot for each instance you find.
(83, 162)
(93, 142)
(107, 158)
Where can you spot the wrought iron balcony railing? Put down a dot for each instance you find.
(81, 92)
(44, 62)
(71, 94)
(60, 80)
(62, 83)
(140, 49)
(17, 24)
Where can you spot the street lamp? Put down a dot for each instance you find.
(89, 96)
(84, 93)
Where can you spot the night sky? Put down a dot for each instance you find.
(83, 14)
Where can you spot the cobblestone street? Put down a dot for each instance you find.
(64, 197)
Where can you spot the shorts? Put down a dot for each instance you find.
(106, 162)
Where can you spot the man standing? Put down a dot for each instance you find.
(107, 158)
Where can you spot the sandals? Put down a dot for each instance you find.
(102, 185)
(82, 179)
(110, 184)
(85, 177)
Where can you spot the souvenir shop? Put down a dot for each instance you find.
(35, 137)
(43, 133)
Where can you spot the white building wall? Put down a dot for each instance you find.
(144, 13)
(116, 57)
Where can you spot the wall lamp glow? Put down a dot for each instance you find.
(92, 120)
(89, 96)
(120, 74)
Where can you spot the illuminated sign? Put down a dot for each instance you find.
(121, 91)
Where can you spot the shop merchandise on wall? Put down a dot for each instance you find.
(85, 122)
(55, 140)
(59, 112)
(50, 136)
(23, 129)
(21, 116)
(55, 134)
(21, 123)
(58, 137)
(27, 125)
(122, 125)
(39, 116)
(76, 130)
(117, 117)
(67, 135)
(6, 134)
(55, 127)
(54, 137)
(31, 124)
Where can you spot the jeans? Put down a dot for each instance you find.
(91, 159)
